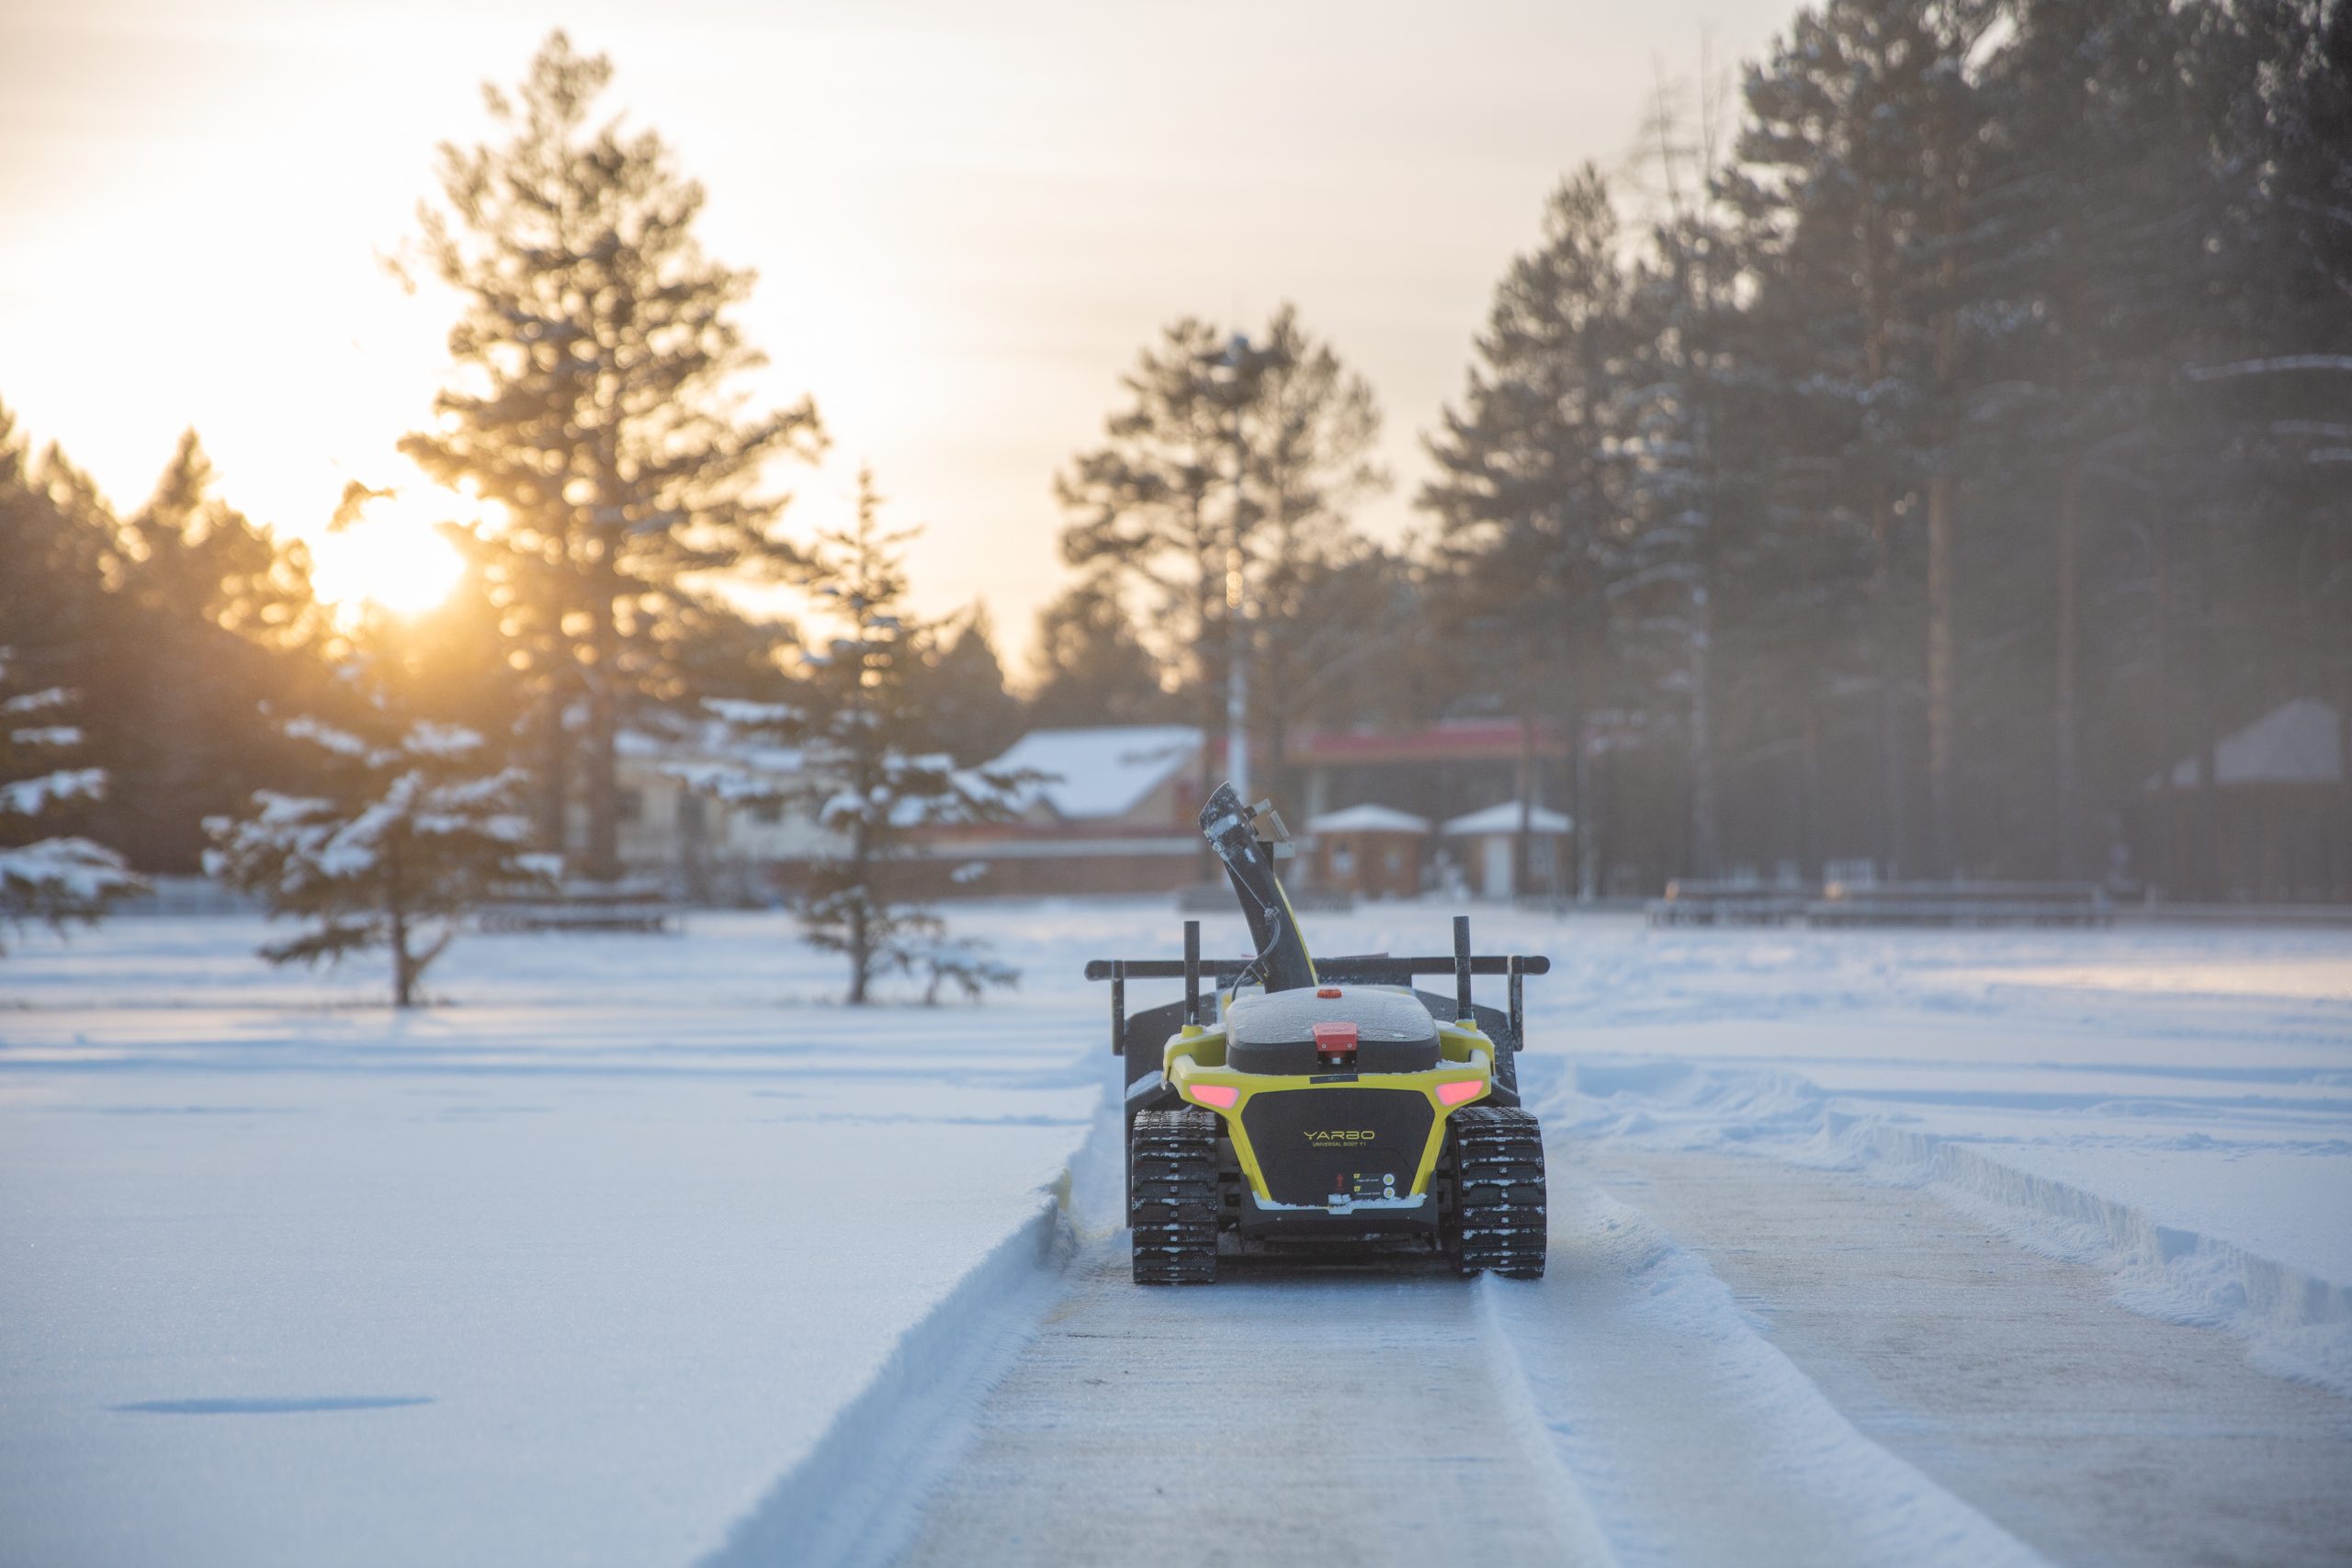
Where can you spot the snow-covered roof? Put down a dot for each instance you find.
(1100, 773)
(1504, 818)
(688, 745)
(1368, 819)
(2294, 744)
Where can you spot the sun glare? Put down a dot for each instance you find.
(392, 557)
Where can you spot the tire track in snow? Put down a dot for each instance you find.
(1341, 1413)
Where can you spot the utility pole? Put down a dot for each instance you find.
(1237, 681)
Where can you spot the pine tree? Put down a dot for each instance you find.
(1089, 669)
(411, 831)
(875, 766)
(1861, 157)
(2091, 178)
(1225, 480)
(47, 875)
(1687, 536)
(595, 355)
(216, 619)
(1528, 492)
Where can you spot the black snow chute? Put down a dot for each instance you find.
(1230, 828)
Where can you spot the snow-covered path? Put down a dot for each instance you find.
(1730, 1360)
(1340, 1416)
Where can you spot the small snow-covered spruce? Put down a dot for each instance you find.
(44, 877)
(410, 836)
(872, 768)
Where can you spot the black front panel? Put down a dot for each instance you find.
(1315, 1144)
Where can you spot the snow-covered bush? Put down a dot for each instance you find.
(55, 878)
(410, 836)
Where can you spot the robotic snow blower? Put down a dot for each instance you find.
(1290, 1099)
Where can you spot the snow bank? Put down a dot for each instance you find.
(854, 1500)
(1689, 1434)
(2295, 1322)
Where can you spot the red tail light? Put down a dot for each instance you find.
(1221, 1095)
(1456, 1093)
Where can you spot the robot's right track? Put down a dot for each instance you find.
(1499, 1174)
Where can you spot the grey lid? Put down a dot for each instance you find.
(1286, 1018)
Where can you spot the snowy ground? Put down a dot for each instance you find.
(637, 1251)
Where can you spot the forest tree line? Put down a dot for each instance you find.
(1917, 455)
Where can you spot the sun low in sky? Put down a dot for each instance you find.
(393, 555)
(966, 219)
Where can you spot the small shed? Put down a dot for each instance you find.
(1373, 851)
(1484, 845)
(2282, 819)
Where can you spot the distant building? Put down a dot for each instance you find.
(1373, 852)
(1435, 771)
(675, 831)
(2282, 816)
(1484, 846)
(1114, 810)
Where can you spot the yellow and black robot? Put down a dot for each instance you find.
(1289, 1099)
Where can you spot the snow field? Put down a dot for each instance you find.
(638, 1251)
(621, 1230)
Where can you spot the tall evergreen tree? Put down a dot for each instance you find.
(212, 620)
(1860, 154)
(1226, 481)
(596, 354)
(1530, 469)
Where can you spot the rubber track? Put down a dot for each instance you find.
(1498, 1164)
(1173, 1206)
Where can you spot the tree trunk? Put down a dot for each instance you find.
(1522, 837)
(601, 854)
(2341, 881)
(1809, 798)
(1940, 754)
(555, 762)
(861, 936)
(2066, 723)
(1580, 803)
(1705, 826)
(404, 960)
(2205, 848)
(2167, 813)
(1894, 824)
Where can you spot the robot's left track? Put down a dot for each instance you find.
(1173, 1197)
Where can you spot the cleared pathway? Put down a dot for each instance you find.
(1731, 1361)
(1281, 1415)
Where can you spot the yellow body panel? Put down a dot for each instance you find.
(1195, 1056)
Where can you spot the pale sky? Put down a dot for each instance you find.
(966, 217)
